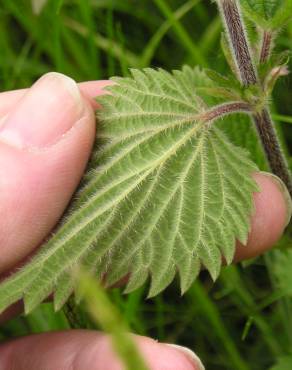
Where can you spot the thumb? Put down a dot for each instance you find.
(45, 143)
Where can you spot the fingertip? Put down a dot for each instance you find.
(195, 360)
(83, 350)
(271, 216)
(92, 89)
(168, 356)
(157, 355)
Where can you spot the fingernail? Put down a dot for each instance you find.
(283, 189)
(45, 113)
(195, 360)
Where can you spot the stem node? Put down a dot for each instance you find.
(230, 11)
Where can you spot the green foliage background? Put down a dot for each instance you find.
(234, 324)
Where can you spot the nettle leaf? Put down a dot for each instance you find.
(269, 14)
(240, 130)
(167, 192)
(238, 127)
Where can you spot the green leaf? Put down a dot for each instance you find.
(240, 130)
(229, 82)
(165, 192)
(269, 14)
(228, 55)
(238, 127)
(228, 88)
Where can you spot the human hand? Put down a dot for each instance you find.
(46, 136)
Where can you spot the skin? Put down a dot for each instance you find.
(38, 176)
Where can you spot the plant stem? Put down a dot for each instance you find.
(266, 46)
(224, 109)
(272, 148)
(248, 75)
(238, 40)
(107, 316)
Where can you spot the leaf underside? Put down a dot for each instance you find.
(165, 192)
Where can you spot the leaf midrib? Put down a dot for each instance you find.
(86, 220)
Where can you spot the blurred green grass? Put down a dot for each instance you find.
(243, 321)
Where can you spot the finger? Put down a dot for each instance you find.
(84, 350)
(45, 143)
(272, 213)
(8, 100)
(14, 310)
(90, 89)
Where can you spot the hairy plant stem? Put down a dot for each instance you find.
(271, 145)
(224, 109)
(230, 11)
(238, 40)
(266, 46)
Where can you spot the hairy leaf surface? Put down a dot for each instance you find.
(165, 192)
(270, 14)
